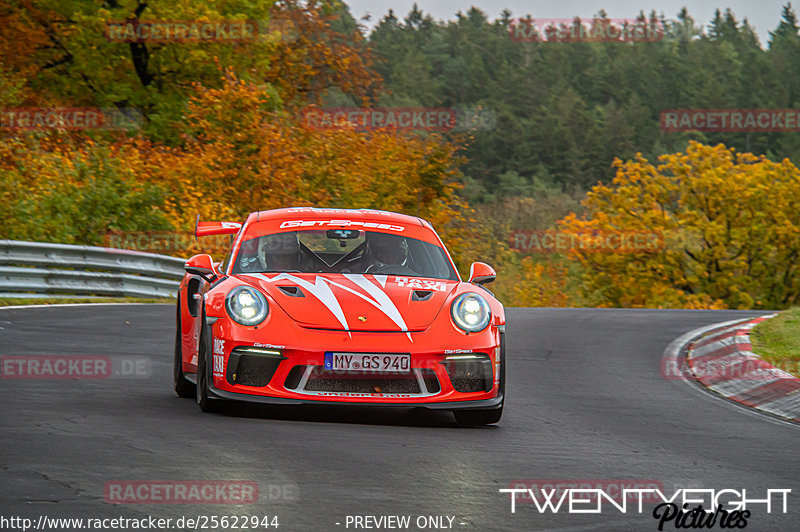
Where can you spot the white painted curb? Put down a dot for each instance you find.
(720, 357)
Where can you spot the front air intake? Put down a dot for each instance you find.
(293, 378)
(252, 366)
(470, 372)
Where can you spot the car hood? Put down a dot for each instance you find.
(355, 302)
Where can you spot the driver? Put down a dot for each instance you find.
(385, 250)
(249, 256)
(280, 252)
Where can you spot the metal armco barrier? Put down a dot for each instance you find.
(45, 268)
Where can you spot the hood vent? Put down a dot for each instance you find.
(421, 295)
(293, 291)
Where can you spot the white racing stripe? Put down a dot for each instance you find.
(380, 300)
(320, 288)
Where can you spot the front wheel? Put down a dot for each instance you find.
(183, 386)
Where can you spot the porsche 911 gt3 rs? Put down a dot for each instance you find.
(339, 306)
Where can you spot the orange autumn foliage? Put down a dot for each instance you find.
(311, 58)
(240, 155)
(730, 224)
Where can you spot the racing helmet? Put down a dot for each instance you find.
(385, 249)
(280, 251)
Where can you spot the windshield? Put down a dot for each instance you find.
(343, 251)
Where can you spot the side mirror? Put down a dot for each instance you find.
(201, 265)
(481, 273)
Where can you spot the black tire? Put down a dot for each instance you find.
(478, 417)
(204, 400)
(183, 386)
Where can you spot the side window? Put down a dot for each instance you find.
(247, 259)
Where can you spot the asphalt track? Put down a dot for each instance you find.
(586, 400)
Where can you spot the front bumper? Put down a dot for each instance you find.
(425, 349)
(485, 404)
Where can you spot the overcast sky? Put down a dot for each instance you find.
(764, 15)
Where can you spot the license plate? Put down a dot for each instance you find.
(369, 362)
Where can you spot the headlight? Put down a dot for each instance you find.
(470, 312)
(246, 305)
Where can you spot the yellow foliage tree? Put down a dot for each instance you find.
(730, 224)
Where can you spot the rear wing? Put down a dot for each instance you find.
(215, 228)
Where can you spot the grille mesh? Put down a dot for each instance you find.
(321, 380)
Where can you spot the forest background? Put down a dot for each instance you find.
(553, 138)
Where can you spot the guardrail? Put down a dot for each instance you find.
(43, 268)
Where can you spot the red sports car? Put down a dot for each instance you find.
(339, 306)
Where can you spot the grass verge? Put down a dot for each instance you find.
(777, 340)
